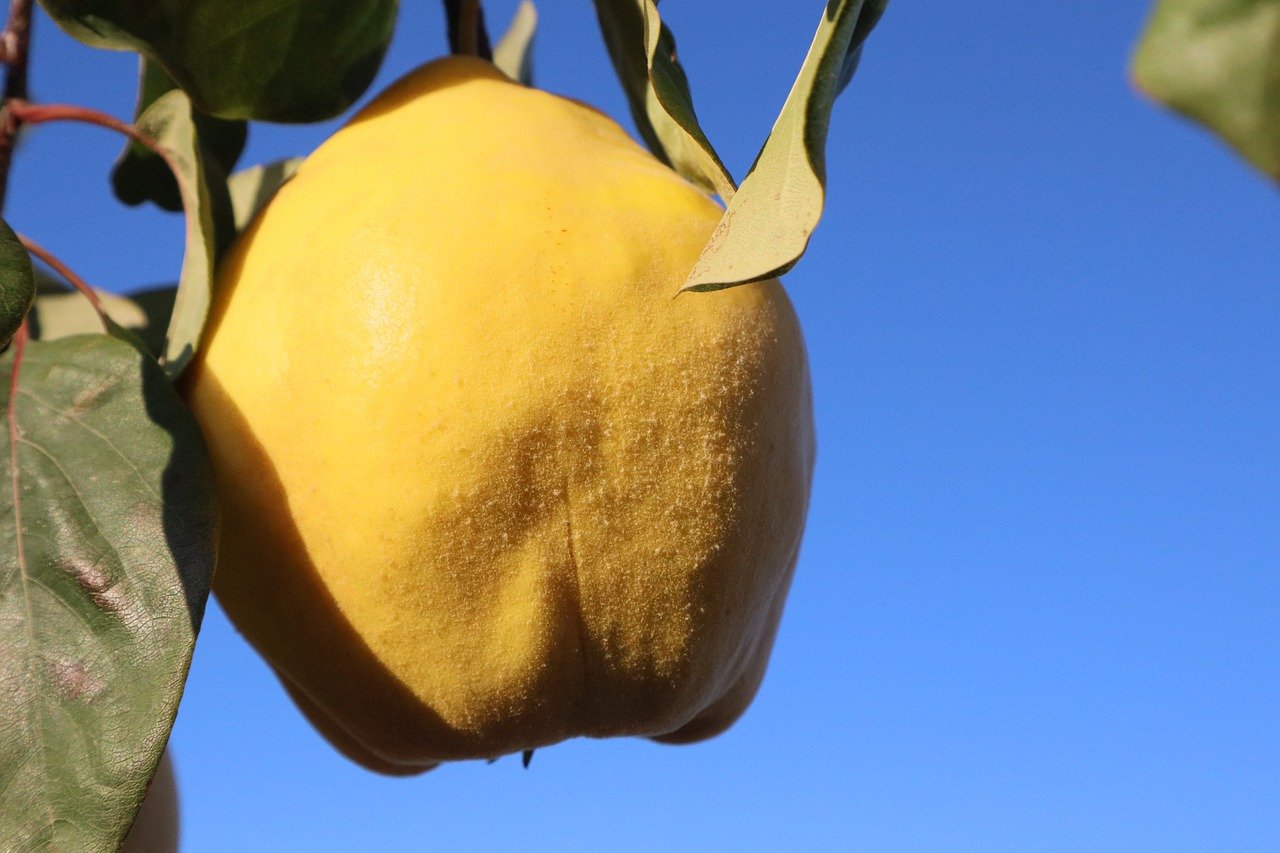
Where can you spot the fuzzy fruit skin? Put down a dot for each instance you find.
(487, 483)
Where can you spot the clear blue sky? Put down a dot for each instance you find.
(1038, 605)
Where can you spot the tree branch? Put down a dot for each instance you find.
(467, 33)
(15, 44)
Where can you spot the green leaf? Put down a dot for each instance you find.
(514, 53)
(767, 225)
(1215, 61)
(643, 51)
(140, 175)
(275, 60)
(210, 226)
(145, 313)
(17, 284)
(252, 188)
(107, 527)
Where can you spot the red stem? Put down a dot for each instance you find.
(26, 112)
(30, 113)
(15, 41)
(63, 270)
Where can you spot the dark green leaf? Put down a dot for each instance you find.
(252, 188)
(140, 175)
(17, 284)
(276, 60)
(644, 55)
(210, 225)
(514, 53)
(767, 225)
(1218, 62)
(108, 536)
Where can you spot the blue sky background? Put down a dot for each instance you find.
(1038, 603)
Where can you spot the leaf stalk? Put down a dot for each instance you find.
(51, 260)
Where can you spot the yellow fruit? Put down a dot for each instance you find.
(487, 482)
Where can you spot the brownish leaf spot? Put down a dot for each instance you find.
(75, 682)
(96, 581)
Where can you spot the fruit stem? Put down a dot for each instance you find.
(15, 42)
(63, 270)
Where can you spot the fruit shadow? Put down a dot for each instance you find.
(280, 604)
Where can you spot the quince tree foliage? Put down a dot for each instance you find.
(1214, 61)
(110, 540)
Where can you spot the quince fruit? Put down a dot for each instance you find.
(487, 482)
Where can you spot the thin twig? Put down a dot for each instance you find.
(28, 113)
(51, 260)
(15, 42)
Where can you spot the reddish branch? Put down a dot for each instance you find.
(24, 112)
(51, 260)
(28, 113)
(14, 45)
(19, 112)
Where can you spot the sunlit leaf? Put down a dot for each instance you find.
(140, 175)
(145, 313)
(1218, 62)
(767, 225)
(253, 187)
(209, 221)
(514, 53)
(644, 55)
(107, 527)
(277, 60)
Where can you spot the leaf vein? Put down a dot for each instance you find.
(146, 484)
(35, 718)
